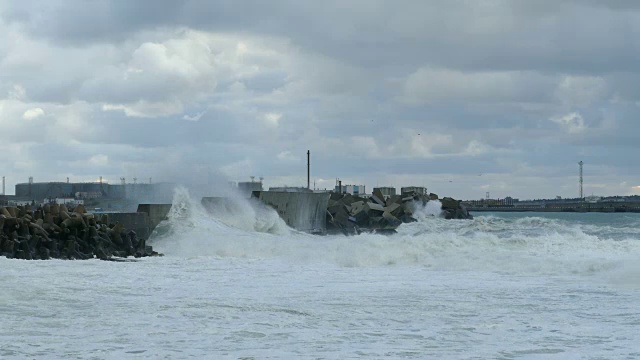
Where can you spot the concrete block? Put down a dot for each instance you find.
(357, 207)
(348, 199)
(373, 207)
(361, 218)
(377, 197)
(334, 209)
(394, 209)
(449, 203)
(394, 199)
(138, 222)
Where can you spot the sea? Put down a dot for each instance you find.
(500, 286)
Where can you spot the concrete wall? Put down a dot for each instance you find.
(156, 212)
(138, 222)
(304, 211)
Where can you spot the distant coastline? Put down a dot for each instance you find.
(601, 206)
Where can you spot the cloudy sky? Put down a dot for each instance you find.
(463, 97)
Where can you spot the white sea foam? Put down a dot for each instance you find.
(522, 245)
(431, 209)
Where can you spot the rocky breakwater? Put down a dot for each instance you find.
(53, 231)
(352, 214)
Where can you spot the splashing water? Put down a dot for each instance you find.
(513, 245)
(432, 208)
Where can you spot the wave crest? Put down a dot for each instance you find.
(505, 244)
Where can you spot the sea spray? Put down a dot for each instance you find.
(421, 212)
(529, 245)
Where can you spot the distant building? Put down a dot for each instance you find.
(417, 189)
(142, 192)
(88, 195)
(64, 201)
(289, 189)
(351, 189)
(247, 187)
(386, 190)
(20, 202)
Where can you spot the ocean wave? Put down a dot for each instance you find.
(528, 245)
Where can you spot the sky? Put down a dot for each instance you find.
(462, 97)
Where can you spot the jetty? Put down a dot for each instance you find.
(56, 231)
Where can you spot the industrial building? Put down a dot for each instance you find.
(416, 189)
(350, 189)
(96, 191)
(385, 190)
(248, 187)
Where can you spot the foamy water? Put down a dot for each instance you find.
(509, 286)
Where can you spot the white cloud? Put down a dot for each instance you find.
(287, 156)
(256, 97)
(573, 123)
(273, 119)
(147, 109)
(575, 91)
(32, 114)
(239, 169)
(18, 92)
(195, 117)
(99, 160)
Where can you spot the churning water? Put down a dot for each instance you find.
(510, 286)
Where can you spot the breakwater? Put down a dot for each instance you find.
(304, 211)
(335, 213)
(352, 214)
(54, 231)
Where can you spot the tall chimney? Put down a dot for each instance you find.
(340, 186)
(3, 193)
(308, 168)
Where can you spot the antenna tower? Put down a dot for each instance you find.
(581, 163)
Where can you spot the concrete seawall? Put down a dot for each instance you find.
(304, 211)
(143, 221)
(138, 222)
(157, 213)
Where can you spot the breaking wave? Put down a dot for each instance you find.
(527, 245)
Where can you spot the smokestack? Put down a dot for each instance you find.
(308, 169)
(340, 186)
(3, 193)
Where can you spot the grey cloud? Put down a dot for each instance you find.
(354, 82)
(569, 36)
